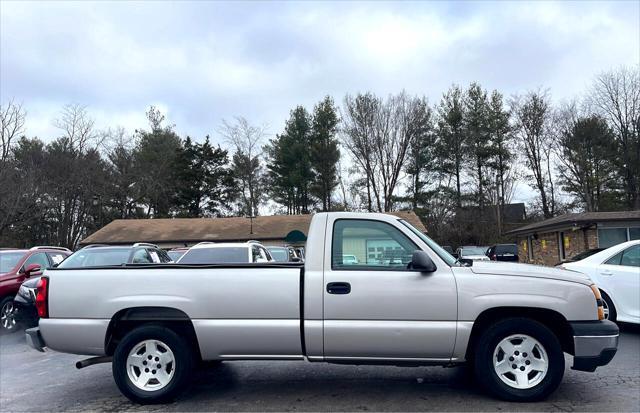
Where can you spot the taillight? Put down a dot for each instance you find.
(493, 257)
(42, 297)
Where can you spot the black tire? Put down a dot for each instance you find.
(7, 326)
(483, 359)
(608, 303)
(184, 362)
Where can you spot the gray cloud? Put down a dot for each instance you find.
(202, 62)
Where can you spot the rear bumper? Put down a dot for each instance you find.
(34, 339)
(595, 344)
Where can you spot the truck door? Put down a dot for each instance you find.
(374, 307)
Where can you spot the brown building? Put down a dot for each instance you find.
(556, 239)
(180, 232)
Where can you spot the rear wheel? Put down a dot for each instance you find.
(608, 307)
(519, 359)
(7, 316)
(152, 364)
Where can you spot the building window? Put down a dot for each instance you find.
(608, 237)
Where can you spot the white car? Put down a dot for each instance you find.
(616, 271)
(226, 253)
(472, 253)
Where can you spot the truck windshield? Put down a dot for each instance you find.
(442, 253)
(8, 260)
(219, 255)
(96, 257)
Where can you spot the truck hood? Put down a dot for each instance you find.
(529, 270)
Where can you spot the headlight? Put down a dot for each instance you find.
(24, 291)
(596, 292)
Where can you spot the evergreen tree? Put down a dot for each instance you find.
(476, 129)
(204, 180)
(451, 138)
(289, 163)
(324, 152)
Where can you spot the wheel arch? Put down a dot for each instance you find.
(552, 319)
(130, 318)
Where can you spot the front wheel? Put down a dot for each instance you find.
(519, 359)
(152, 364)
(8, 322)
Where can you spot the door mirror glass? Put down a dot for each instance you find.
(420, 261)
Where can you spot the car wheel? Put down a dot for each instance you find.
(519, 359)
(152, 364)
(8, 322)
(610, 312)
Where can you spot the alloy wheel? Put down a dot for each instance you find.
(520, 361)
(151, 365)
(7, 316)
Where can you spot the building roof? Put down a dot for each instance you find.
(576, 220)
(191, 230)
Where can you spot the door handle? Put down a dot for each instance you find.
(606, 272)
(339, 288)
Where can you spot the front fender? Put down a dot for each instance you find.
(481, 292)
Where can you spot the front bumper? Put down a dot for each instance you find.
(595, 343)
(34, 339)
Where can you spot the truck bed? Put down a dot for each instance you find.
(235, 309)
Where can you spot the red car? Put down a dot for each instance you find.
(16, 265)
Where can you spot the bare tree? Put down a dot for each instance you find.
(77, 126)
(378, 134)
(246, 140)
(12, 118)
(532, 114)
(615, 95)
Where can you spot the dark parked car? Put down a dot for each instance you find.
(284, 254)
(90, 256)
(18, 265)
(503, 252)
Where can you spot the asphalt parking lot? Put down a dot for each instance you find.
(32, 381)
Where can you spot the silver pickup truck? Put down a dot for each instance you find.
(402, 301)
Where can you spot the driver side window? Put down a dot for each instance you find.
(361, 244)
(39, 258)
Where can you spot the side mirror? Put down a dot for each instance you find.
(466, 261)
(33, 269)
(420, 261)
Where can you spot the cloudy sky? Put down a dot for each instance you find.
(201, 62)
